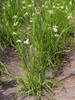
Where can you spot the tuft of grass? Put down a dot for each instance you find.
(39, 31)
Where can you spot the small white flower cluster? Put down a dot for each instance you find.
(24, 7)
(49, 26)
(26, 42)
(37, 12)
(9, 5)
(54, 6)
(55, 28)
(29, 5)
(15, 16)
(30, 48)
(26, 14)
(50, 11)
(58, 4)
(14, 33)
(32, 1)
(4, 7)
(31, 20)
(35, 8)
(58, 7)
(18, 41)
(70, 16)
(7, 23)
(61, 7)
(46, 2)
(43, 6)
(66, 8)
(33, 4)
(28, 28)
(46, 6)
(33, 14)
(56, 35)
(23, 2)
(70, 3)
(15, 24)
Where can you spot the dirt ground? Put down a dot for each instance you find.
(67, 77)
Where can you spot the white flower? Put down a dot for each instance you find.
(29, 5)
(9, 5)
(18, 41)
(46, 6)
(31, 18)
(63, 2)
(56, 35)
(55, 28)
(27, 41)
(31, 21)
(45, 2)
(31, 48)
(3, 7)
(14, 33)
(32, 1)
(38, 8)
(26, 13)
(28, 28)
(32, 4)
(15, 16)
(49, 27)
(58, 4)
(53, 6)
(61, 7)
(66, 8)
(35, 8)
(70, 3)
(24, 7)
(15, 24)
(23, 2)
(66, 11)
(6, 23)
(70, 16)
(38, 12)
(50, 11)
(43, 5)
(33, 14)
(57, 7)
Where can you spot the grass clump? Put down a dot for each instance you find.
(39, 31)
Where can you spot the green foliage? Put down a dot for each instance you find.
(38, 30)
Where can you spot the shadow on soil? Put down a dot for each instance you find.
(11, 96)
(10, 84)
(72, 74)
(6, 85)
